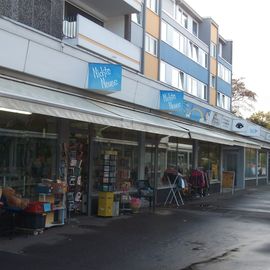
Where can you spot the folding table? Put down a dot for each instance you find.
(174, 191)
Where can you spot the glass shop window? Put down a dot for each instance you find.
(209, 159)
(250, 163)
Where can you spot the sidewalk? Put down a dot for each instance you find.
(83, 224)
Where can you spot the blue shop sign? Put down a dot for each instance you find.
(171, 100)
(106, 77)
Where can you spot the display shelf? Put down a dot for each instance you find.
(57, 214)
(108, 171)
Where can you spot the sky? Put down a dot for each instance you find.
(246, 23)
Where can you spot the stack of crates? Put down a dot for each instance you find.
(105, 204)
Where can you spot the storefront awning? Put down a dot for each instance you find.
(203, 134)
(211, 135)
(240, 141)
(27, 97)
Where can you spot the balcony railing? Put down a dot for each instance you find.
(89, 35)
(70, 28)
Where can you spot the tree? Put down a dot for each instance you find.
(261, 118)
(242, 98)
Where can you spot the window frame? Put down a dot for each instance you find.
(152, 5)
(138, 17)
(213, 50)
(212, 81)
(223, 101)
(151, 43)
(197, 28)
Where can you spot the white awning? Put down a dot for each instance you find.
(46, 101)
(203, 134)
(28, 97)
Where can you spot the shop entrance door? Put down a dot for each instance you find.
(231, 163)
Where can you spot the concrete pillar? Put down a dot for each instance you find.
(141, 156)
(195, 153)
(257, 164)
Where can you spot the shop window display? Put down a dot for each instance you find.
(149, 171)
(209, 160)
(27, 151)
(262, 163)
(251, 163)
(181, 160)
(75, 158)
(115, 166)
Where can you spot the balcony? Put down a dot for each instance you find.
(89, 35)
(114, 8)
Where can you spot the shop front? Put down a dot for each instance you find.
(70, 148)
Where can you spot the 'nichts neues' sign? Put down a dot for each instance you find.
(106, 77)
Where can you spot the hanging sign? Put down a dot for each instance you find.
(171, 100)
(105, 77)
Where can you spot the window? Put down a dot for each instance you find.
(203, 58)
(178, 41)
(208, 159)
(213, 81)
(195, 28)
(175, 77)
(223, 101)
(171, 75)
(178, 14)
(181, 17)
(150, 44)
(153, 5)
(180, 80)
(168, 7)
(224, 73)
(213, 50)
(184, 20)
(250, 163)
(163, 31)
(137, 18)
(262, 163)
(182, 43)
(193, 52)
(220, 50)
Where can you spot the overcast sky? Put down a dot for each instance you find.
(246, 23)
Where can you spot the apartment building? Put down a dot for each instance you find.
(100, 94)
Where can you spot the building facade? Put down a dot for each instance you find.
(100, 94)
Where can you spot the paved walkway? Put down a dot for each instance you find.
(240, 201)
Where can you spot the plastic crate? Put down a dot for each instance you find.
(38, 207)
(31, 220)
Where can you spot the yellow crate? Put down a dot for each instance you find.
(105, 204)
(105, 211)
(108, 196)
